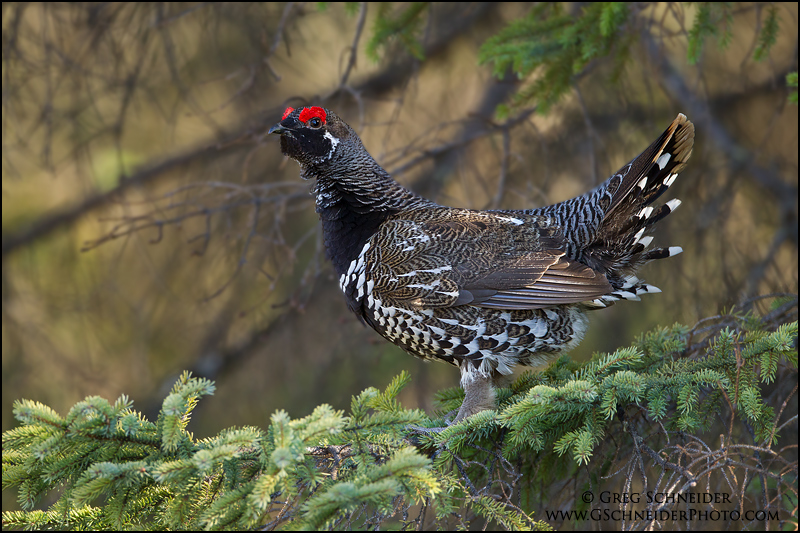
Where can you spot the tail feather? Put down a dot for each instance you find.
(651, 173)
(623, 234)
(610, 228)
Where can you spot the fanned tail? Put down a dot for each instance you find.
(620, 244)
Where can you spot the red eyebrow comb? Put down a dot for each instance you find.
(310, 112)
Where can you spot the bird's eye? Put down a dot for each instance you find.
(315, 122)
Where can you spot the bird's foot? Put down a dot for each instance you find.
(415, 431)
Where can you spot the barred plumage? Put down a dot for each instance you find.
(482, 290)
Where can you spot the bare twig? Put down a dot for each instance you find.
(353, 52)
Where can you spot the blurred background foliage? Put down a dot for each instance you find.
(150, 226)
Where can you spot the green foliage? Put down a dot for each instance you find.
(549, 48)
(572, 411)
(791, 81)
(495, 511)
(120, 471)
(556, 47)
(107, 467)
(713, 19)
(768, 35)
(351, 8)
(403, 27)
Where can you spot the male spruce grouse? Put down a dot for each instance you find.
(482, 290)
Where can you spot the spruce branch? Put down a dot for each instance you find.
(114, 469)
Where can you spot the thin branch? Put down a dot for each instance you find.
(70, 215)
(351, 62)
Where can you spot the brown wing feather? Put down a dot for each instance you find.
(562, 283)
(481, 259)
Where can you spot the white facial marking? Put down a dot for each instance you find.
(334, 142)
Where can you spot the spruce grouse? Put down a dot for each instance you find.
(482, 290)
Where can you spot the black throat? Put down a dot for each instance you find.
(354, 196)
(346, 228)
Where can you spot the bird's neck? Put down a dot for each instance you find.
(352, 206)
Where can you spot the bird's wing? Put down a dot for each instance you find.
(451, 257)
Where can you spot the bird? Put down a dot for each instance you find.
(483, 290)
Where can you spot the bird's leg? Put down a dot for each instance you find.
(479, 396)
(478, 392)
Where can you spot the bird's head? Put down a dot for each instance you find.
(312, 136)
(331, 153)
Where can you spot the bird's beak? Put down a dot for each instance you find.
(278, 128)
(285, 126)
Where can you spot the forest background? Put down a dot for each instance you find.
(150, 225)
